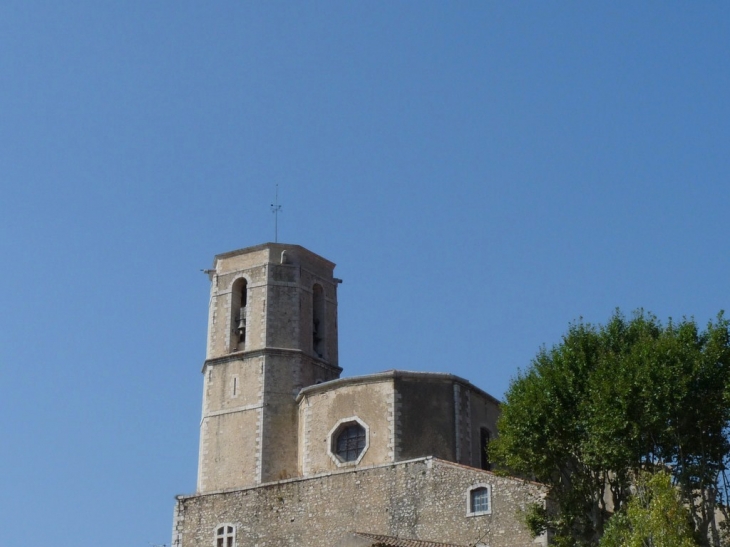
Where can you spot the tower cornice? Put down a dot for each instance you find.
(238, 355)
(278, 247)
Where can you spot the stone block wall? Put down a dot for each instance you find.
(408, 415)
(280, 279)
(321, 412)
(422, 499)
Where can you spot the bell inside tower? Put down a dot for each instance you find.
(239, 297)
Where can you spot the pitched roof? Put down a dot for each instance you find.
(390, 541)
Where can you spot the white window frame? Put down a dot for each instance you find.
(225, 535)
(333, 433)
(469, 512)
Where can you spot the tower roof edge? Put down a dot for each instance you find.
(277, 247)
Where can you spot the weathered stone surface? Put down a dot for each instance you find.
(250, 425)
(273, 410)
(408, 415)
(423, 499)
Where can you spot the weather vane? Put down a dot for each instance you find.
(275, 208)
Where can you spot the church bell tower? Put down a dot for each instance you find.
(272, 330)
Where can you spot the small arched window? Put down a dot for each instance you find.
(239, 298)
(479, 500)
(225, 536)
(318, 322)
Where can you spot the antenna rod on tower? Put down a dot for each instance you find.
(275, 208)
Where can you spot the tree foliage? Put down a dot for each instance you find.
(653, 517)
(610, 401)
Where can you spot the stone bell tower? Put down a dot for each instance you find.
(272, 330)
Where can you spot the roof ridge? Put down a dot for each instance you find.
(391, 541)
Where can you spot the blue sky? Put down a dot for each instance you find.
(482, 173)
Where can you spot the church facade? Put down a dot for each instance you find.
(293, 455)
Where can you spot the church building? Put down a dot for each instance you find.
(293, 455)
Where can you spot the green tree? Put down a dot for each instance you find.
(611, 401)
(653, 517)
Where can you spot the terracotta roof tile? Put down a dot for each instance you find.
(390, 541)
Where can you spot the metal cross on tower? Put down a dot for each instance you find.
(275, 208)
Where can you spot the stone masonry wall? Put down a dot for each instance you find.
(422, 499)
(320, 412)
(252, 267)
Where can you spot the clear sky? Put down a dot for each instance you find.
(482, 173)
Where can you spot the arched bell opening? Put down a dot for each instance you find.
(318, 321)
(239, 299)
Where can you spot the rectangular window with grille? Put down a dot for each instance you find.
(479, 501)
